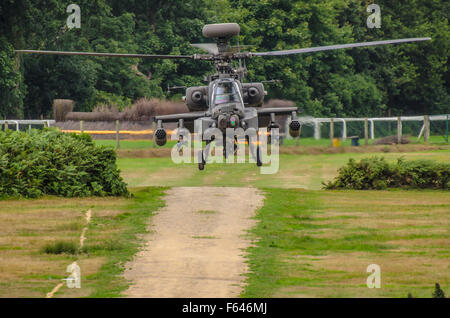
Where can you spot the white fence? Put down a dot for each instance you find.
(317, 122)
(29, 122)
(369, 124)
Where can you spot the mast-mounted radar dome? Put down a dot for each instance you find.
(221, 30)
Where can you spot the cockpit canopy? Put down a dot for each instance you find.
(226, 92)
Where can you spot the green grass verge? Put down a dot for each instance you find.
(124, 243)
(307, 142)
(295, 171)
(325, 142)
(132, 144)
(319, 243)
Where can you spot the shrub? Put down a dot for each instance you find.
(142, 109)
(60, 247)
(61, 107)
(376, 173)
(50, 162)
(390, 140)
(438, 292)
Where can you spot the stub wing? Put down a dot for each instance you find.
(176, 117)
(262, 112)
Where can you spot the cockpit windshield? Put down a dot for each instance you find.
(226, 92)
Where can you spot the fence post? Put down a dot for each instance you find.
(399, 130)
(331, 131)
(153, 133)
(344, 129)
(372, 129)
(316, 129)
(426, 133)
(366, 131)
(117, 135)
(81, 127)
(446, 129)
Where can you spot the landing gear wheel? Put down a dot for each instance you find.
(201, 161)
(258, 157)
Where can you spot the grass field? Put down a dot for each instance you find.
(308, 242)
(319, 243)
(296, 171)
(112, 238)
(304, 142)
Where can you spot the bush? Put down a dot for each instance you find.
(60, 247)
(390, 140)
(50, 162)
(438, 292)
(142, 109)
(376, 173)
(61, 107)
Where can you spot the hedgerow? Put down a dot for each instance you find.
(50, 162)
(376, 173)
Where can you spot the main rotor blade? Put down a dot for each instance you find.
(209, 47)
(337, 47)
(151, 56)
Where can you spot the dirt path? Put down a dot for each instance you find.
(196, 248)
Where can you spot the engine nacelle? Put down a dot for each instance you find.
(160, 136)
(253, 94)
(196, 98)
(294, 128)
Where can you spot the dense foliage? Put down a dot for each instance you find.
(376, 173)
(390, 80)
(50, 162)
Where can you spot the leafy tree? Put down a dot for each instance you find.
(11, 83)
(397, 79)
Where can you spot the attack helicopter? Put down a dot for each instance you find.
(227, 101)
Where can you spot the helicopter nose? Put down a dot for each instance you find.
(225, 121)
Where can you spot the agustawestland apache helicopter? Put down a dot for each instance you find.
(227, 102)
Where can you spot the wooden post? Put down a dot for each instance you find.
(117, 135)
(81, 127)
(426, 123)
(389, 122)
(399, 130)
(153, 133)
(331, 131)
(366, 131)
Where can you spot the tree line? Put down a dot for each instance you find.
(401, 79)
